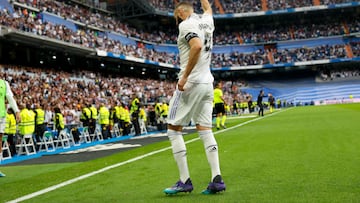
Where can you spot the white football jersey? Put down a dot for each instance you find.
(202, 27)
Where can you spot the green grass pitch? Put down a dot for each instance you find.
(300, 154)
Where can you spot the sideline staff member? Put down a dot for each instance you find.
(219, 106)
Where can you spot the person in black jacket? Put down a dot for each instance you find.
(260, 104)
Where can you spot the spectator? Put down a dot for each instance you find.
(59, 122)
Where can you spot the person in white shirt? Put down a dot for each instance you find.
(193, 96)
(6, 94)
(48, 117)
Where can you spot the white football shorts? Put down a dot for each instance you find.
(195, 102)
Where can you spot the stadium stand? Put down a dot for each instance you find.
(309, 92)
(93, 35)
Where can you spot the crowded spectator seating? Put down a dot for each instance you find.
(36, 85)
(106, 22)
(244, 6)
(337, 74)
(355, 47)
(309, 54)
(101, 31)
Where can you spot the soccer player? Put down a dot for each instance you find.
(193, 97)
(219, 106)
(6, 93)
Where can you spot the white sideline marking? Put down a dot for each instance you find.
(103, 147)
(54, 187)
(152, 135)
(239, 117)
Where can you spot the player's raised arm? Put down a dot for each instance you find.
(206, 6)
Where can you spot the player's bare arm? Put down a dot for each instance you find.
(206, 6)
(195, 49)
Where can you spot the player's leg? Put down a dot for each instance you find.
(202, 118)
(179, 115)
(179, 153)
(218, 120)
(223, 120)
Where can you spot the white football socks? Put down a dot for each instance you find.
(211, 150)
(179, 152)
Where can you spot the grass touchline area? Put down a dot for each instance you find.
(54, 187)
(304, 154)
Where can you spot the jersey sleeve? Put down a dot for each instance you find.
(209, 20)
(188, 31)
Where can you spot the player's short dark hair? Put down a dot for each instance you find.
(184, 3)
